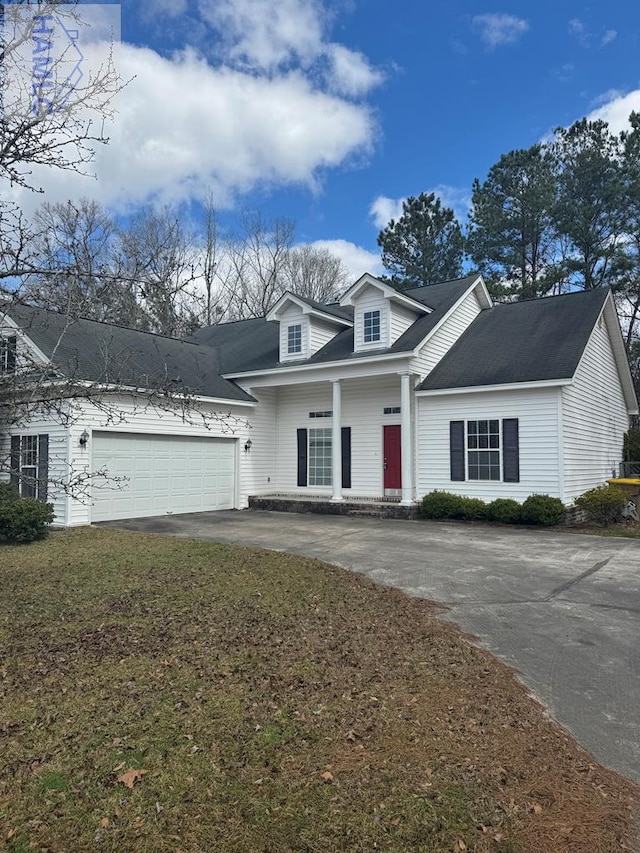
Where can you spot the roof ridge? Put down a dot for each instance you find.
(582, 291)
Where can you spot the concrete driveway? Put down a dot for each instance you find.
(562, 608)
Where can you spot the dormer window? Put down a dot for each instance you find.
(294, 339)
(371, 326)
(8, 354)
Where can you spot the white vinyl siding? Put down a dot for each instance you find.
(161, 474)
(595, 417)
(371, 299)
(445, 337)
(320, 333)
(401, 318)
(258, 468)
(537, 413)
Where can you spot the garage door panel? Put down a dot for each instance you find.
(166, 474)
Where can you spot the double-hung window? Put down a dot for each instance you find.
(29, 465)
(294, 339)
(483, 450)
(371, 326)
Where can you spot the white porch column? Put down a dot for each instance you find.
(405, 439)
(336, 443)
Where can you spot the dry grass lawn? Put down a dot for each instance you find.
(161, 694)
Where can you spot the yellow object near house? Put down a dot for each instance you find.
(625, 481)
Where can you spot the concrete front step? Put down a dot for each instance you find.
(371, 509)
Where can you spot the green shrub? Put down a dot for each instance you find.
(473, 509)
(24, 520)
(603, 505)
(542, 509)
(8, 492)
(504, 510)
(442, 505)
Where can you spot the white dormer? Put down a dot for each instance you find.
(381, 313)
(17, 351)
(304, 327)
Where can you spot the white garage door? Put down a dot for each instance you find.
(165, 474)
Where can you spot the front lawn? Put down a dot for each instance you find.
(162, 694)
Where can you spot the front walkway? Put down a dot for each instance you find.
(562, 608)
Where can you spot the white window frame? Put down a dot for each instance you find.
(29, 481)
(483, 443)
(294, 339)
(319, 457)
(371, 320)
(7, 344)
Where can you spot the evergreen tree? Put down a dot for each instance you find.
(511, 239)
(588, 210)
(424, 246)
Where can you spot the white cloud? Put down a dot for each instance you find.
(457, 198)
(617, 109)
(349, 72)
(167, 8)
(264, 34)
(356, 259)
(578, 30)
(499, 29)
(271, 101)
(184, 126)
(383, 209)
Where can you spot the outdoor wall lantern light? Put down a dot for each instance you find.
(84, 438)
(247, 446)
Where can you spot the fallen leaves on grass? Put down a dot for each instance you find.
(131, 777)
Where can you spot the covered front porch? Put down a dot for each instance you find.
(342, 439)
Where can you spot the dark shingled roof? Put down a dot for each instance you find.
(533, 341)
(248, 345)
(99, 352)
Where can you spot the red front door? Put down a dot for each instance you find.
(392, 458)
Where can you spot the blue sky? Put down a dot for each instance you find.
(332, 112)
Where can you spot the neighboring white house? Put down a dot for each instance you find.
(384, 394)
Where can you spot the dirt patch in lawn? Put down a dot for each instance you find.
(161, 694)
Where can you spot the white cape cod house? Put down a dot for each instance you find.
(384, 394)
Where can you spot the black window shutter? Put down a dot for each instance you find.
(456, 449)
(346, 457)
(510, 451)
(12, 345)
(302, 457)
(43, 466)
(15, 461)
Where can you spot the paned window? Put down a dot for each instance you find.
(371, 326)
(391, 410)
(483, 450)
(320, 414)
(29, 466)
(294, 339)
(320, 463)
(7, 354)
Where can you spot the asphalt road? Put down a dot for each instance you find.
(562, 608)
